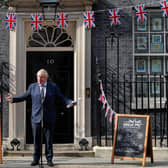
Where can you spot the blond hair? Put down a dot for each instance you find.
(42, 72)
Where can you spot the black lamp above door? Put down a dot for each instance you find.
(49, 8)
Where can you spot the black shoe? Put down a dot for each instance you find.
(50, 163)
(34, 163)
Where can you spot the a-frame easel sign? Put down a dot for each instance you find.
(132, 138)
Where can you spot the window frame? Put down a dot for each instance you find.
(151, 55)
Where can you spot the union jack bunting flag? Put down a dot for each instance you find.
(114, 16)
(89, 20)
(111, 115)
(62, 20)
(107, 110)
(101, 85)
(101, 98)
(164, 7)
(36, 21)
(141, 13)
(105, 103)
(10, 21)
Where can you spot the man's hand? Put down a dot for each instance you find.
(9, 98)
(74, 103)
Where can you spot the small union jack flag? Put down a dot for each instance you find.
(141, 13)
(111, 115)
(107, 110)
(36, 21)
(10, 20)
(62, 20)
(104, 103)
(101, 85)
(114, 16)
(164, 7)
(89, 20)
(101, 98)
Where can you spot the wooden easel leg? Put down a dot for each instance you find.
(112, 160)
(143, 163)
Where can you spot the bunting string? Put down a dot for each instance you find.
(88, 16)
(149, 3)
(105, 104)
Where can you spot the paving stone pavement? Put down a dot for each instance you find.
(83, 162)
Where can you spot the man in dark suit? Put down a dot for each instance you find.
(44, 94)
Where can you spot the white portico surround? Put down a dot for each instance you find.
(82, 76)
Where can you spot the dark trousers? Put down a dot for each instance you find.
(48, 135)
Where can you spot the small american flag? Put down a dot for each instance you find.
(164, 7)
(89, 20)
(141, 12)
(62, 20)
(36, 21)
(10, 20)
(114, 16)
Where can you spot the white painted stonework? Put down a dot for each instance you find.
(82, 76)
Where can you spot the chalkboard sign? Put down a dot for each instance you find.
(132, 138)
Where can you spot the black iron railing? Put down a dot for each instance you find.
(142, 94)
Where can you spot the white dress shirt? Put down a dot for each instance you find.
(44, 88)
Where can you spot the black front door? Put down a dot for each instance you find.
(60, 68)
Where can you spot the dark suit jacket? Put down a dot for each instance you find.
(49, 105)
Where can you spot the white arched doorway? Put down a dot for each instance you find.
(75, 39)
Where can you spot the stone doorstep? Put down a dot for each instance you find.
(26, 153)
(64, 150)
(56, 147)
(102, 152)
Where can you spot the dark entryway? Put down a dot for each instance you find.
(60, 68)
